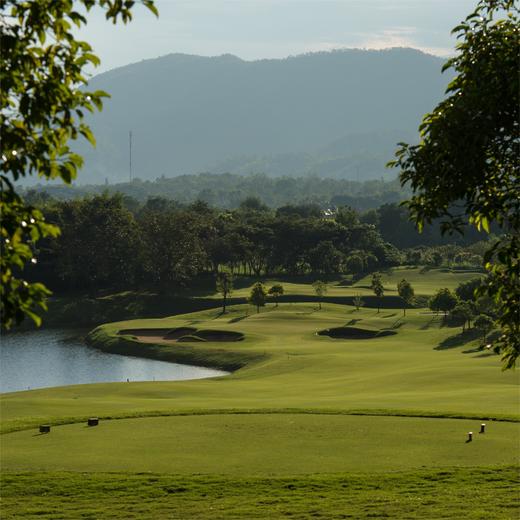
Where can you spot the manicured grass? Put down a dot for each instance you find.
(424, 283)
(276, 438)
(261, 444)
(421, 369)
(458, 493)
(85, 312)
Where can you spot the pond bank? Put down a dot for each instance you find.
(199, 355)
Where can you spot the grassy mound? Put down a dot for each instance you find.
(355, 333)
(190, 338)
(154, 343)
(143, 332)
(179, 332)
(220, 335)
(182, 334)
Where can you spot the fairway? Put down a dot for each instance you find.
(390, 398)
(423, 369)
(424, 282)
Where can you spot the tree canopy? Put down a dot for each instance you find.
(320, 288)
(43, 101)
(376, 285)
(406, 292)
(224, 286)
(443, 300)
(465, 168)
(258, 295)
(276, 291)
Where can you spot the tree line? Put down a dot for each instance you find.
(108, 242)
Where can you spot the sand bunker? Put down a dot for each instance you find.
(355, 333)
(181, 334)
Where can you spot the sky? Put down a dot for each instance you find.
(256, 29)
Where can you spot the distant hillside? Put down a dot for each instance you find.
(229, 190)
(336, 114)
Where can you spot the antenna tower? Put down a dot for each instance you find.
(130, 153)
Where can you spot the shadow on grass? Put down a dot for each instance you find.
(238, 318)
(487, 354)
(427, 325)
(458, 339)
(396, 325)
(473, 350)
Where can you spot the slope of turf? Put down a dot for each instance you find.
(425, 368)
(424, 282)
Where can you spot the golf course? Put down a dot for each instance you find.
(338, 412)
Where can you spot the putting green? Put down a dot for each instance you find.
(261, 444)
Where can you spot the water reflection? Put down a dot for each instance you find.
(46, 358)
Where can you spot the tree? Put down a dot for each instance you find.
(325, 258)
(443, 300)
(437, 258)
(174, 248)
(484, 324)
(320, 288)
(276, 291)
(253, 204)
(406, 292)
(224, 286)
(377, 286)
(42, 104)
(466, 291)
(465, 168)
(463, 313)
(99, 245)
(355, 263)
(257, 296)
(358, 301)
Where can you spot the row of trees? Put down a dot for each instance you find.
(107, 243)
(467, 308)
(227, 190)
(259, 294)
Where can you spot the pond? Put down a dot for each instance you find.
(44, 358)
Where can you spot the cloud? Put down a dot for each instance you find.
(385, 39)
(401, 37)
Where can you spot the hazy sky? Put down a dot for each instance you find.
(254, 29)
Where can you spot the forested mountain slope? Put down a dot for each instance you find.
(336, 114)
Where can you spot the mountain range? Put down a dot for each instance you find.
(333, 114)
